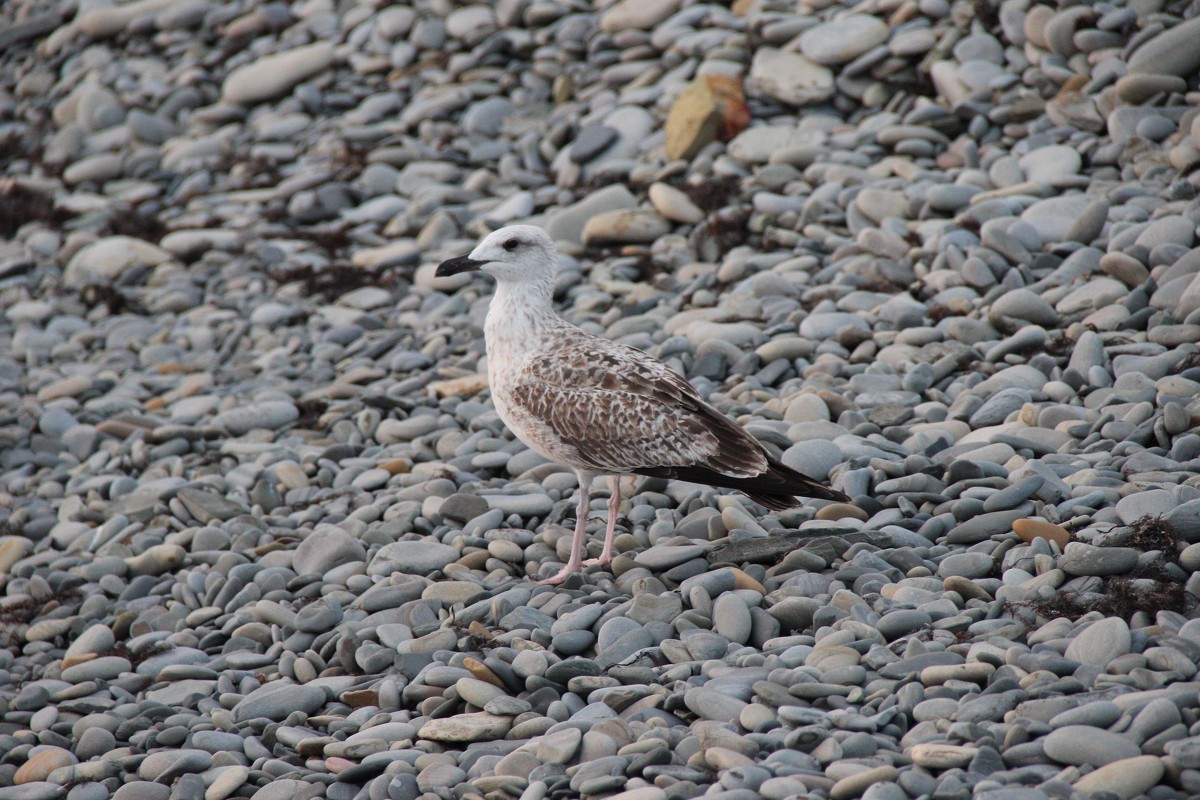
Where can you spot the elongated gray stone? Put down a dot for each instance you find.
(271, 76)
(276, 700)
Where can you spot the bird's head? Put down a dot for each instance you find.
(516, 254)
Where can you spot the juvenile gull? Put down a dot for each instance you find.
(600, 407)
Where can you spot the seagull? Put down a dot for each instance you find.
(603, 408)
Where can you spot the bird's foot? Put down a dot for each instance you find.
(561, 576)
(603, 562)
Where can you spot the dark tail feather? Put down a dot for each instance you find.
(775, 502)
(777, 488)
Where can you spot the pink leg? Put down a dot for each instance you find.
(575, 562)
(614, 506)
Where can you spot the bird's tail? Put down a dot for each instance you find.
(776, 488)
(775, 502)
(790, 485)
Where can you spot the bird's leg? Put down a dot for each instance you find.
(576, 560)
(614, 505)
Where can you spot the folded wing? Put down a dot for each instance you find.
(625, 412)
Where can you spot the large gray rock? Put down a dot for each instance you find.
(1101, 642)
(326, 548)
(1081, 744)
(276, 700)
(413, 558)
(1172, 52)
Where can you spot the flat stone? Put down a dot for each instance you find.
(1170, 52)
(471, 24)
(674, 204)
(639, 14)
(106, 260)
(271, 415)
(1048, 163)
(624, 226)
(983, 526)
(713, 705)
(942, 756)
(276, 700)
(227, 781)
(474, 727)
(12, 550)
(1032, 528)
(731, 618)
(567, 224)
(326, 548)
(843, 39)
(826, 325)
(166, 766)
(1137, 88)
(465, 386)
(413, 558)
(901, 622)
(879, 204)
(590, 142)
(95, 169)
(855, 785)
(663, 557)
(648, 608)
(102, 23)
(761, 143)
(1079, 558)
(1126, 779)
(476, 692)
(1185, 519)
(836, 511)
(393, 431)
(560, 748)
(996, 409)
(1185, 752)
(1100, 642)
(288, 789)
(41, 763)
(274, 75)
(938, 708)
(142, 790)
(1090, 223)
(789, 77)
(1052, 218)
(966, 565)
(1151, 503)
(209, 507)
(1097, 714)
(103, 668)
(1024, 304)
(1080, 744)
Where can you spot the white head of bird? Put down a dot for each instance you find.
(518, 254)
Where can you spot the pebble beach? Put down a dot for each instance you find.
(263, 535)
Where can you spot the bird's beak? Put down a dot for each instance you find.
(456, 265)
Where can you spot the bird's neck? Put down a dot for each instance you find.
(518, 317)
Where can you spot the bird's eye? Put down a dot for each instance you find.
(511, 244)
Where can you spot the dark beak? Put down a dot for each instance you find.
(456, 265)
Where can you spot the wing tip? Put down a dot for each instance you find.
(785, 501)
(801, 485)
(777, 487)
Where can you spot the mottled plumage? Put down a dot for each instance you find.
(601, 407)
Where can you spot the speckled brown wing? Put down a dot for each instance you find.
(624, 411)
